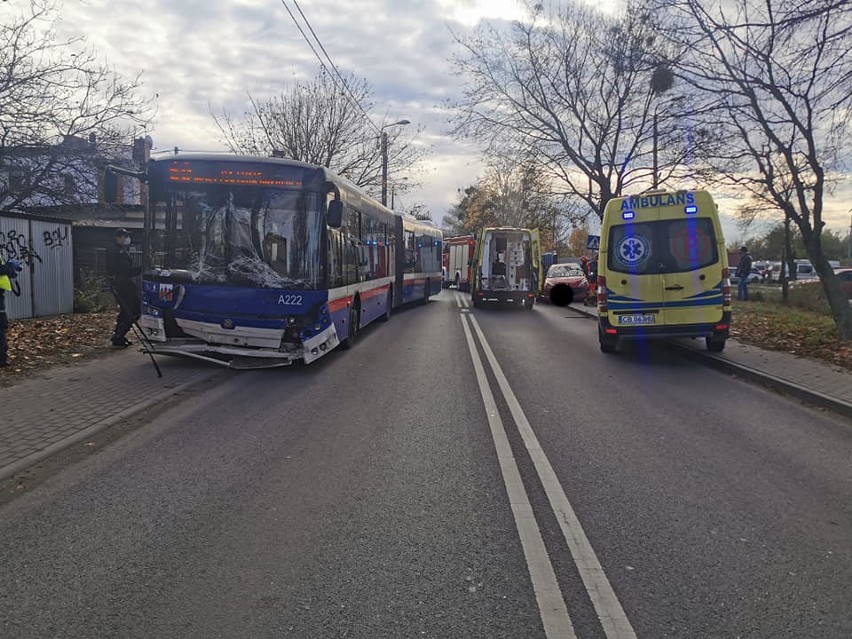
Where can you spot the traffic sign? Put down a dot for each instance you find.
(593, 242)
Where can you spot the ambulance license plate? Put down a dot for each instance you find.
(633, 320)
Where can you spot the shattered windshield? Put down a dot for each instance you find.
(238, 236)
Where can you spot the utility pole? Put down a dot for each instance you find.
(662, 80)
(384, 143)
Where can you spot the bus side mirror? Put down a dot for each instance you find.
(334, 218)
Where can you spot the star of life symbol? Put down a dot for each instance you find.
(632, 250)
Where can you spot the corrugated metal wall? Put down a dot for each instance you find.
(47, 281)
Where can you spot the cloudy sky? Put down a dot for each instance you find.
(198, 55)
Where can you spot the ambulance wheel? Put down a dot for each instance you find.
(349, 341)
(715, 344)
(477, 303)
(528, 304)
(607, 344)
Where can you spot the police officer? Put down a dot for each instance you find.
(8, 271)
(119, 266)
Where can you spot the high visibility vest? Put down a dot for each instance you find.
(5, 283)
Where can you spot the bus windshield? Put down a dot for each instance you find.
(237, 236)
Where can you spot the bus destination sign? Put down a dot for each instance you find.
(205, 172)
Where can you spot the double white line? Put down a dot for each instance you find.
(551, 603)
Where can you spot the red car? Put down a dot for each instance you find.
(565, 283)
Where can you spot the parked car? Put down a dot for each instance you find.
(565, 283)
(755, 275)
(845, 277)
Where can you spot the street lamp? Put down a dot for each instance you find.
(384, 138)
(661, 81)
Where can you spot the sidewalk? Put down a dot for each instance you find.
(813, 381)
(62, 406)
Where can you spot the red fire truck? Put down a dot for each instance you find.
(457, 259)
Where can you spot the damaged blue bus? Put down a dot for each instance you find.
(253, 262)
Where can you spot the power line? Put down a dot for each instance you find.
(342, 85)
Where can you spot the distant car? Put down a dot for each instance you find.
(845, 277)
(565, 283)
(754, 276)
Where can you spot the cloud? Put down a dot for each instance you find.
(199, 55)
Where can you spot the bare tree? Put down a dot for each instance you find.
(776, 81)
(60, 109)
(319, 123)
(509, 194)
(573, 89)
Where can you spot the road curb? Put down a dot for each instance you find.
(34, 458)
(777, 384)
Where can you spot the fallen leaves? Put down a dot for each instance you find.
(40, 343)
(791, 330)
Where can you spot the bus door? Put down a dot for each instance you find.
(399, 260)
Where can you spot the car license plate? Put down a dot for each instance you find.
(641, 318)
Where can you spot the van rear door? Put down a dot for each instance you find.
(634, 287)
(692, 271)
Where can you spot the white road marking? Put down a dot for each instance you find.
(608, 608)
(551, 604)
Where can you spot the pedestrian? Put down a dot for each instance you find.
(743, 271)
(119, 266)
(8, 271)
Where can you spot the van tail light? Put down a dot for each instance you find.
(602, 294)
(726, 287)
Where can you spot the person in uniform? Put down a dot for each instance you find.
(119, 265)
(8, 271)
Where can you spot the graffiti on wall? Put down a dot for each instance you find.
(56, 238)
(17, 246)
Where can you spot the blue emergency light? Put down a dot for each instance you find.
(692, 209)
(628, 215)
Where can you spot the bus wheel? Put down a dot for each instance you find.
(349, 341)
(715, 344)
(607, 343)
(427, 291)
(386, 315)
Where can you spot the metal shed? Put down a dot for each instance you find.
(44, 247)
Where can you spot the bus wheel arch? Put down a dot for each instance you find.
(352, 324)
(384, 317)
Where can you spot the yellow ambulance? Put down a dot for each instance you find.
(663, 270)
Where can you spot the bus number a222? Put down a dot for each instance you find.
(290, 300)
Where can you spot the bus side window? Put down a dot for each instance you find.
(410, 252)
(335, 258)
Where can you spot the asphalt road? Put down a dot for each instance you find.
(416, 487)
